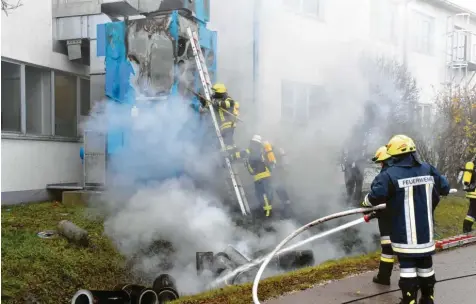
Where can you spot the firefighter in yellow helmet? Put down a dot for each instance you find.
(385, 227)
(226, 121)
(407, 187)
(469, 183)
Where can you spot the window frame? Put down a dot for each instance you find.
(392, 7)
(417, 45)
(294, 86)
(22, 98)
(319, 15)
(53, 137)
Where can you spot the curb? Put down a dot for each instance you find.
(456, 241)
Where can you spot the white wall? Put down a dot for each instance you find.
(27, 35)
(31, 165)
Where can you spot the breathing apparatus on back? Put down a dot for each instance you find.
(469, 176)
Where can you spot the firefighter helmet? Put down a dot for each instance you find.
(256, 138)
(219, 88)
(381, 155)
(400, 144)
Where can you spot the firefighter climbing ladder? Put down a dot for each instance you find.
(207, 86)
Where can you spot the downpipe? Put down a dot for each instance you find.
(227, 278)
(269, 257)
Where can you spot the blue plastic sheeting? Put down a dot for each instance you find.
(174, 32)
(151, 155)
(200, 11)
(118, 68)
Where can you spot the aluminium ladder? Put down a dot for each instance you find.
(207, 87)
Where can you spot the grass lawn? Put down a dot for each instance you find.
(51, 270)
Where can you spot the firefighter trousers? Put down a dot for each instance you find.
(227, 134)
(264, 194)
(416, 274)
(470, 216)
(386, 257)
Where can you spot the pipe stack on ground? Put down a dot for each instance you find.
(166, 289)
(163, 291)
(138, 294)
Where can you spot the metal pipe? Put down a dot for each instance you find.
(296, 233)
(138, 293)
(166, 289)
(226, 277)
(128, 294)
(84, 296)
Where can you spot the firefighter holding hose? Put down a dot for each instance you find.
(384, 225)
(469, 183)
(407, 188)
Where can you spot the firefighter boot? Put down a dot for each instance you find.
(467, 226)
(409, 287)
(384, 273)
(426, 300)
(427, 287)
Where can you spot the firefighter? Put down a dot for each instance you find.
(257, 166)
(226, 121)
(407, 188)
(276, 163)
(384, 225)
(469, 183)
(353, 175)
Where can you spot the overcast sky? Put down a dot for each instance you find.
(470, 4)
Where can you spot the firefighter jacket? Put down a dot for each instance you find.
(225, 120)
(255, 161)
(471, 193)
(407, 187)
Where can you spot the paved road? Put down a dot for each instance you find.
(448, 264)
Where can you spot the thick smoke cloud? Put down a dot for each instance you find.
(167, 184)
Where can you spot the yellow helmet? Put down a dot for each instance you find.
(381, 155)
(400, 144)
(219, 88)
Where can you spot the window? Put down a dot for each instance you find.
(301, 102)
(38, 101)
(306, 7)
(11, 97)
(65, 105)
(423, 33)
(384, 20)
(424, 115)
(85, 97)
(28, 96)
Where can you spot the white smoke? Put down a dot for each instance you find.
(145, 203)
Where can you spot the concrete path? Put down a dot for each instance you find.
(448, 264)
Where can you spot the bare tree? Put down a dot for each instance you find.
(8, 7)
(455, 131)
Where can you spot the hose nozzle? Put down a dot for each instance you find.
(370, 216)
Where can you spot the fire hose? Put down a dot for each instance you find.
(270, 256)
(256, 262)
(306, 227)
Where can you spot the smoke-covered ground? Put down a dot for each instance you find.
(166, 184)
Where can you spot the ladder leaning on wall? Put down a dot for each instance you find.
(207, 87)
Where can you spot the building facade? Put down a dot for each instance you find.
(283, 59)
(43, 96)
